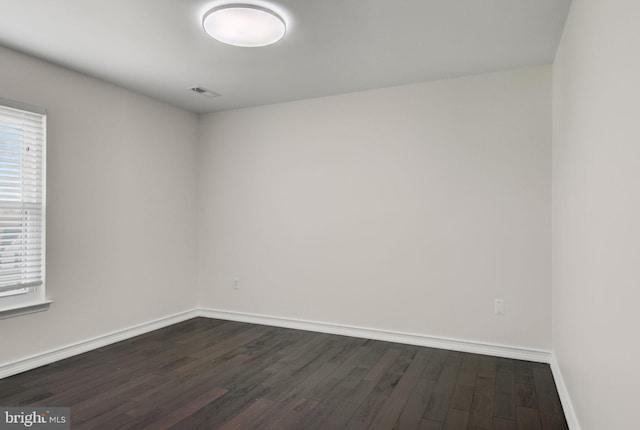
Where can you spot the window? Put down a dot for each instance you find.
(22, 206)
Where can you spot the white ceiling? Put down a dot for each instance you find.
(158, 47)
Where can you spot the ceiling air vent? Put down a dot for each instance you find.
(203, 92)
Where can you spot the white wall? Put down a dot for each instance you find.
(408, 209)
(596, 212)
(121, 210)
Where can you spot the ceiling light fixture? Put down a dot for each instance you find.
(244, 25)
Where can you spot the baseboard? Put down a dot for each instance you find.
(57, 354)
(517, 353)
(385, 335)
(567, 404)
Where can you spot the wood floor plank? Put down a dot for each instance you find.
(341, 402)
(189, 423)
(210, 374)
(430, 425)
(395, 403)
(292, 417)
(102, 401)
(524, 372)
(245, 416)
(121, 422)
(487, 367)
(525, 396)
(174, 416)
(551, 414)
(343, 412)
(456, 420)
(462, 398)
(435, 366)
(441, 397)
(481, 415)
(469, 370)
(308, 371)
(296, 387)
(238, 398)
(390, 356)
(372, 404)
(411, 415)
(528, 419)
(502, 424)
(505, 406)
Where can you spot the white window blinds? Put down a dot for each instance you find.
(22, 197)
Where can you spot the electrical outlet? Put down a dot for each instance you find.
(236, 283)
(498, 306)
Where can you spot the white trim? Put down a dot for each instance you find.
(57, 354)
(504, 351)
(517, 353)
(13, 104)
(565, 399)
(24, 309)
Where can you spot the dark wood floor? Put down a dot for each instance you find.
(213, 374)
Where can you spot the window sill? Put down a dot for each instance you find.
(24, 309)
